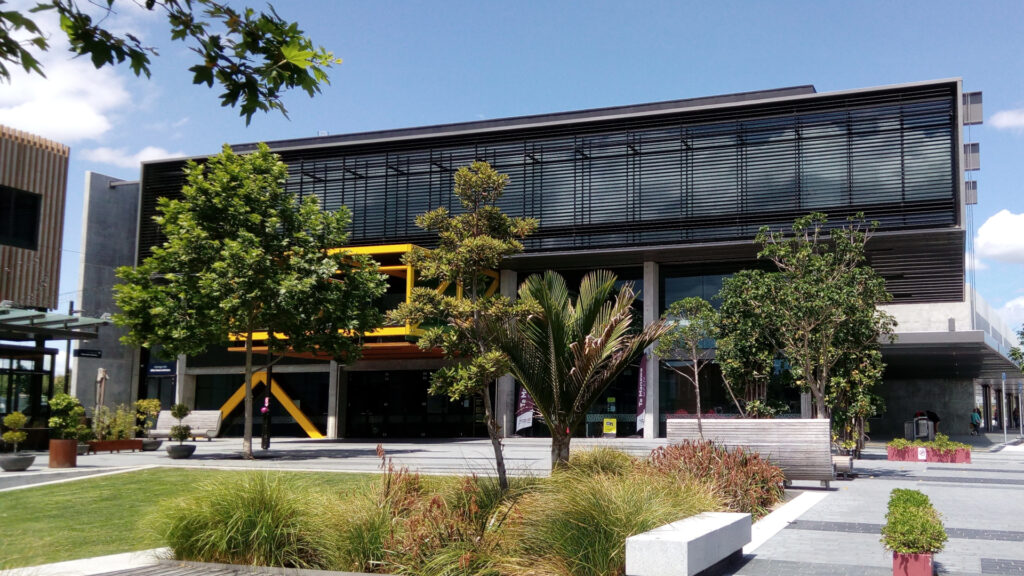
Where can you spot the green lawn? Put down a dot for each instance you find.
(99, 516)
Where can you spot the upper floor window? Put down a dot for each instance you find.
(19, 218)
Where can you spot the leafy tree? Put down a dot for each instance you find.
(745, 349)
(690, 340)
(818, 309)
(253, 56)
(567, 352)
(471, 246)
(241, 255)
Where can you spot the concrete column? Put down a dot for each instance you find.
(342, 401)
(505, 390)
(185, 384)
(806, 405)
(332, 400)
(652, 299)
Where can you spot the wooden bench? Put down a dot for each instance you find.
(204, 423)
(801, 447)
(688, 546)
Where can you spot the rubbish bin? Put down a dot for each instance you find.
(924, 429)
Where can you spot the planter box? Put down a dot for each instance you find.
(911, 564)
(914, 454)
(63, 453)
(114, 445)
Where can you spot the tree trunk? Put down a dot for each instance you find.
(559, 447)
(696, 389)
(493, 432)
(247, 434)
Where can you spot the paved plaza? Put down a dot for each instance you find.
(819, 532)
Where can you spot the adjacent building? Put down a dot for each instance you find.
(669, 195)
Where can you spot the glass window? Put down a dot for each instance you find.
(19, 218)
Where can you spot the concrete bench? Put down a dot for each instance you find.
(204, 423)
(801, 447)
(688, 546)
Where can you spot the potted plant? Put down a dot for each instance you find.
(115, 431)
(146, 412)
(180, 432)
(15, 462)
(913, 531)
(66, 416)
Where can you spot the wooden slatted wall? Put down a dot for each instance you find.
(30, 163)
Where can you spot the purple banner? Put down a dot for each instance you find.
(641, 394)
(524, 412)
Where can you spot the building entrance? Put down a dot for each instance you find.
(396, 404)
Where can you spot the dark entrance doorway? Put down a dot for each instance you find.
(396, 404)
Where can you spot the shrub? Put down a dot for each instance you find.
(941, 444)
(66, 416)
(180, 432)
(576, 524)
(602, 460)
(912, 526)
(146, 412)
(14, 421)
(747, 482)
(261, 519)
(117, 425)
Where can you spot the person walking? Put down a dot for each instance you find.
(976, 422)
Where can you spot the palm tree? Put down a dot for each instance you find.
(566, 353)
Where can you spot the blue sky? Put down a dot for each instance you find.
(420, 63)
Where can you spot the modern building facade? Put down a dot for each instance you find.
(668, 195)
(33, 180)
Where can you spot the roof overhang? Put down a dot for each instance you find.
(26, 325)
(961, 354)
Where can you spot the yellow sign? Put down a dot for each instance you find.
(609, 425)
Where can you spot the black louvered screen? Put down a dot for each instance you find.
(690, 176)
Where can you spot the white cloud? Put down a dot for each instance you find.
(1000, 237)
(74, 102)
(1008, 119)
(124, 158)
(1013, 313)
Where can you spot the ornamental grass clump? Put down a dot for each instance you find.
(912, 525)
(262, 519)
(576, 523)
(746, 482)
(602, 460)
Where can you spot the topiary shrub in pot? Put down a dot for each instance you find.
(913, 531)
(180, 432)
(15, 462)
(146, 412)
(66, 426)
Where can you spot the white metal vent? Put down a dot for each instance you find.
(972, 108)
(971, 192)
(972, 156)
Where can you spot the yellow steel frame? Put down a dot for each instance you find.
(282, 397)
(398, 271)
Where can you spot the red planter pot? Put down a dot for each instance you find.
(63, 453)
(114, 445)
(913, 454)
(911, 564)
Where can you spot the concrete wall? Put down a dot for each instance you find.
(109, 229)
(951, 398)
(954, 317)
